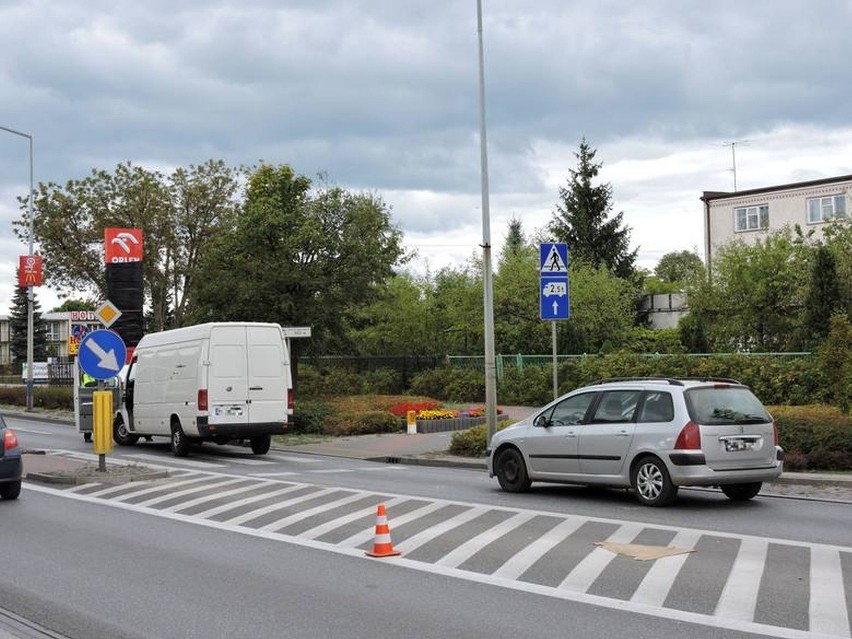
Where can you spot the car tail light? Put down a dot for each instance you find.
(689, 437)
(291, 399)
(202, 399)
(10, 440)
(775, 437)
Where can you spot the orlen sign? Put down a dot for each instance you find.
(29, 270)
(122, 245)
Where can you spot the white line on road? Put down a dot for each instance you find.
(521, 562)
(412, 543)
(739, 596)
(659, 580)
(828, 600)
(585, 573)
(464, 552)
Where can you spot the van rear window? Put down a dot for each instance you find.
(725, 405)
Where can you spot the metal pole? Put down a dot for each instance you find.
(30, 288)
(490, 354)
(555, 375)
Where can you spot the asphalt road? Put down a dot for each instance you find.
(229, 547)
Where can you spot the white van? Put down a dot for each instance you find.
(220, 382)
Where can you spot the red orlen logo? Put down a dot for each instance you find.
(122, 245)
(29, 270)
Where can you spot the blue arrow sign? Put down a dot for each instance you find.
(102, 354)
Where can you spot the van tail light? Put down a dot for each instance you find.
(775, 438)
(10, 440)
(689, 437)
(291, 399)
(202, 399)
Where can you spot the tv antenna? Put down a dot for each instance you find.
(733, 168)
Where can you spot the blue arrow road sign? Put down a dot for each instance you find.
(555, 300)
(102, 354)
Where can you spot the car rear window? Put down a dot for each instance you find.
(725, 405)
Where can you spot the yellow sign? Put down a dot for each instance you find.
(107, 313)
(73, 345)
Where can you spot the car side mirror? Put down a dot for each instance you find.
(541, 422)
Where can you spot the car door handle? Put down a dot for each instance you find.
(623, 433)
(255, 387)
(569, 435)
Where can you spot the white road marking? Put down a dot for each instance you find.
(259, 512)
(153, 501)
(366, 535)
(295, 459)
(828, 600)
(739, 597)
(585, 573)
(215, 497)
(464, 552)
(659, 580)
(177, 460)
(322, 529)
(521, 562)
(288, 473)
(310, 512)
(414, 542)
(21, 429)
(248, 500)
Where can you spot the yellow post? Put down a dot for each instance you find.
(102, 425)
(411, 421)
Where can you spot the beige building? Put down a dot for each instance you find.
(59, 333)
(753, 214)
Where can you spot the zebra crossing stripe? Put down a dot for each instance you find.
(248, 500)
(259, 512)
(365, 535)
(585, 573)
(310, 512)
(521, 562)
(327, 527)
(828, 600)
(739, 596)
(659, 579)
(464, 552)
(106, 492)
(430, 533)
(215, 497)
(189, 491)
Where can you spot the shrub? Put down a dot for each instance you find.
(373, 422)
(50, 397)
(450, 384)
(310, 416)
(814, 437)
(382, 381)
(470, 442)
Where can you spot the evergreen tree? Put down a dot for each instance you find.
(823, 297)
(584, 220)
(18, 328)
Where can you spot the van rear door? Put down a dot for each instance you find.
(267, 375)
(228, 392)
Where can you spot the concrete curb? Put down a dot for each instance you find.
(95, 476)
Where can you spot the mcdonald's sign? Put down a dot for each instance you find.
(29, 270)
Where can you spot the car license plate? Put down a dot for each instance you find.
(736, 445)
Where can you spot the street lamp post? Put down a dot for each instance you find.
(30, 291)
(490, 353)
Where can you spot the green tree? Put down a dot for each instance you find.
(397, 322)
(679, 266)
(755, 298)
(823, 297)
(298, 255)
(72, 304)
(584, 219)
(838, 240)
(178, 215)
(455, 301)
(18, 327)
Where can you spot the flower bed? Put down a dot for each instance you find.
(456, 423)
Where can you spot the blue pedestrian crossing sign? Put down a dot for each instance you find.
(102, 354)
(555, 297)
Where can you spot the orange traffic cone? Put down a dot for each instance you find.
(382, 546)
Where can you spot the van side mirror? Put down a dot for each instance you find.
(541, 422)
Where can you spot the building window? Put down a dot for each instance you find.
(752, 218)
(54, 333)
(823, 209)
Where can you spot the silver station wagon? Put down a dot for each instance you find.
(649, 434)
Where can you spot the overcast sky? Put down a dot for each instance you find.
(383, 97)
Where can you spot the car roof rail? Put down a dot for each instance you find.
(725, 380)
(615, 380)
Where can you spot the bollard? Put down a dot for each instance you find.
(411, 422)
(102, 425)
